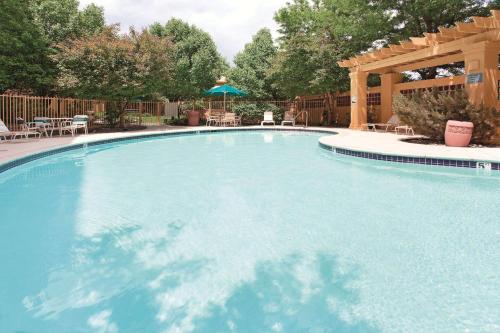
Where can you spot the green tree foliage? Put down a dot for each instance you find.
(253, 113)
(198, 64)
(61, 19)
(414, 17)
(252, 66)
(29, 30)
(24, 58)
(115, 67)
(315, 35)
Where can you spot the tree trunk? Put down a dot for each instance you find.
(122, 107)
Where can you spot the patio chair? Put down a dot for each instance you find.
(214, 117)
(5, 132)
(392, 122)
(78, 122)
(27, 127)
(44, 125)
(229, 118)
(289, 119)
(407, 129)
(268, 119)
(237, 120)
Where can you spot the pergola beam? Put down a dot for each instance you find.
(429, 52)
(447, 41)
(387, 51)
(450, 59)
(410, 46)
(468, 28)
(486, 22)
(420, 41)
(495, 13)
(452, 33)
(436, 38)
(397, 49)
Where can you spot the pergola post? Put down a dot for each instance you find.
(358, 98)
(481, 68)
(388, 80)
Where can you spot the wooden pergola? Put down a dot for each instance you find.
(476, 43)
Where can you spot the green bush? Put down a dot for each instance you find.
(188, 106)
(253, 113)
(428, 111)
(111, 114)
(181, 121)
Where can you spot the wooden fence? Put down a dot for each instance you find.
(150, 113)
(13, 107)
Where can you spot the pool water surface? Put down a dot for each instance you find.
(250, 231)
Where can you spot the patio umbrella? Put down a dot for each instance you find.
(224, 90)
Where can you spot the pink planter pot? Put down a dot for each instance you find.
(458, 133)
(193, 118)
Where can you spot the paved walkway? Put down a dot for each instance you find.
(385, 143)
(391, 144)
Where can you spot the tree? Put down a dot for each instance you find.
(23, 50)
(315, 35)
(252, 66)
(412, 18)
(198, 64)
(119, 68)
(61, 19)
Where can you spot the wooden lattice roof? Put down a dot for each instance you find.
(446, 42)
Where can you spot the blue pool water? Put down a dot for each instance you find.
(245, 232)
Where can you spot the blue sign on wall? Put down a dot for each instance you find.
(474, 78)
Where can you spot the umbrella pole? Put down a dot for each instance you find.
(224, 102)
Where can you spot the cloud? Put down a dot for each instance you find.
(231, 23)
(101, 322)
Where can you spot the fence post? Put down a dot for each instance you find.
(140, 113)
(24, 109)
(158, 113)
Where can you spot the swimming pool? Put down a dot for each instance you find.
(250, 231)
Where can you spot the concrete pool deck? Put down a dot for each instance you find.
(391, 144)
(362, 141)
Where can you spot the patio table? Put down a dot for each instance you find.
(57, 123)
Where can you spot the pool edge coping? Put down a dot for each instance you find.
(412, 159)
(386, 157)
(10, 164)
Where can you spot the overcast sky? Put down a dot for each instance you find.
(230, 22)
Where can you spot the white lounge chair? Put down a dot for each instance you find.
(5, 132)
(392, 122)
(407, 129)
(78, 121)
(27, 127)
(268, 119)
(289, 119)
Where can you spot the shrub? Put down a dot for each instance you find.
(428, 111)
(188, 106)
(181, 121)
(253, 113)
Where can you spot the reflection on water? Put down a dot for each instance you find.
(201, 293)
(206, 239)
(295, 295)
